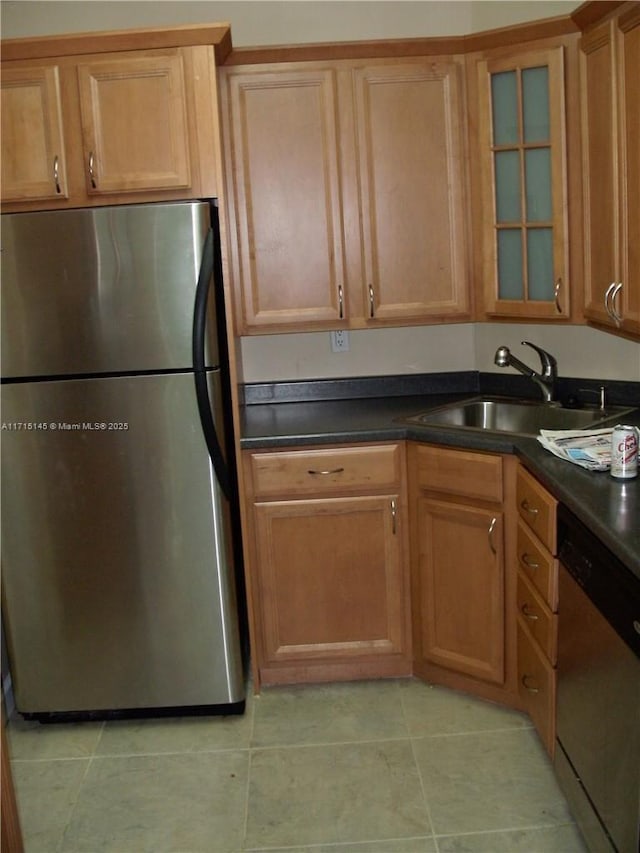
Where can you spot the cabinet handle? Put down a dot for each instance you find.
(313, 472)
(393, 517)
(526, 506)
(371, 303)
(340, 302)
(526, 560)
(614, 293)
(525, 681)
(56, 173)
(492, 525)
(556, 295)
(92, 176)
(607, 297)
(527, 613)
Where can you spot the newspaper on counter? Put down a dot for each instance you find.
(591, 450)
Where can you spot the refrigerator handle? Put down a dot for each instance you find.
(199, 370)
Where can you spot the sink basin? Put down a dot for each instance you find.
(525, 417)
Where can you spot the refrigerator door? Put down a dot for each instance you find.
(102, 290)
(117, 561)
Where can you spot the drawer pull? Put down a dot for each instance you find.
(527, 613)
(492, 526)
(526, 506)
(393, 517)
(526, 560)
(341, 302)
(56, 173)
(525, 681)
(92, 174)
(313, 472)
(372, 311)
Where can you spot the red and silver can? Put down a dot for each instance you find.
(624, 452)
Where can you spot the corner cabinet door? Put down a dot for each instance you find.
(461, 596)
(601, 187)
(287, 197)
(33, 154)
(330, 579)
(524, 185)
(409, 124)
(134, 120)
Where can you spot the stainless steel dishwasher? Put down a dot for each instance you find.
(597, 760)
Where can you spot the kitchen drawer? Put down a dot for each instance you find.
(538, 565)
(458, 472)
(537, 687)
(537, 508)
(330, 471)
(535, 614)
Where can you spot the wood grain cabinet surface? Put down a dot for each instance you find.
(537, 604)
(462, 580)
(522, 147)
(347, 193)
(610, 71)
(109, 128)
(327, 565)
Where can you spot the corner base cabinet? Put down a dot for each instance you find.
(327, 563)
(461, 523)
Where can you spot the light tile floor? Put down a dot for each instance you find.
(371, 767)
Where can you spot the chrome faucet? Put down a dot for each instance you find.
(546, 380)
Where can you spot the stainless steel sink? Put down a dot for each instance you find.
(525, 417)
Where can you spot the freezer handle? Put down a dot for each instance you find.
(199, 371)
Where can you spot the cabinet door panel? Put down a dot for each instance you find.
(629, 111)
(135, 124)
(462, 588)
(411, 183)
(287, 196)
(330, 578)
(600, 185)
(33, 153)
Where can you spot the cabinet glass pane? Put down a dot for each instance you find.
(537, 170)
(535, 104)
(508, 206)
(540, 264)
(504, 101)
(510, 283)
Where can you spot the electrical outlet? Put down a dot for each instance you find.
(340, 341)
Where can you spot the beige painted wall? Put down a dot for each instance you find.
(581, 352)
(256, 22)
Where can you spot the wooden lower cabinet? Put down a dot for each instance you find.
(328, 565)
(463, 582)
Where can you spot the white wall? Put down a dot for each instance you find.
(581, 352)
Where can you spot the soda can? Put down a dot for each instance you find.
(624, 452)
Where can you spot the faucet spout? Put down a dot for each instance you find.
(545, 380)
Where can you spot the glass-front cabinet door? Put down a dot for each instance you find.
(524, 196)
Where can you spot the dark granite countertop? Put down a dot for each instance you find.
(298, 414)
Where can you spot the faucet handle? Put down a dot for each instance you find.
(549, 364)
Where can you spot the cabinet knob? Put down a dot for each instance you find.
(526, 506)
(527, 613)
(341, 302)
(372, 306)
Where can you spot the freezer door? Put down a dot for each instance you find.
(118, 584)
(102, 290)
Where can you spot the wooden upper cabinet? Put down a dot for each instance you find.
(33, 150)
(134, 124)
(109, 128)
(283, 130)
(523, 230)
(347, 193)
(610, 70)
(409, 121)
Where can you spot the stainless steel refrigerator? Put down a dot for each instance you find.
(118, 574)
